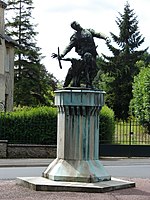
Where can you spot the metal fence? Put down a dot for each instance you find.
(131, 132)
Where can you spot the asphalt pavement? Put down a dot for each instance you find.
(116, 167)
(106, 161)
(10, 191)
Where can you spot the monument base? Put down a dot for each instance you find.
(44, 184)
(88, 171)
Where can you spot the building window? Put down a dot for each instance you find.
(7, 60)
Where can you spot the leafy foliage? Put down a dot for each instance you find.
(121, 66)
(141, 97)
(33, 84)
(107, 125)
(30, 125)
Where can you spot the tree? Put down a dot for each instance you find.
(121, 66)
(32, 82)
(145, 59)
(140, 103)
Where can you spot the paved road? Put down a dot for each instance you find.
(135, 171)
(13, 172)
(133, 168)
(44, 162)
(34, 167)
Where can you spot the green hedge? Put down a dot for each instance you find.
(107, 125)
(31, 126)
(39, 125)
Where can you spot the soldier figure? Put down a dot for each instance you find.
(83, 42)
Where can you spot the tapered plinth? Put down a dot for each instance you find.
(77, 137)
(77, 167)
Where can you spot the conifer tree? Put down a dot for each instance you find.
(121, 65)
(32, 81)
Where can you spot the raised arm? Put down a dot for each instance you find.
(99, 35)
(69, 47)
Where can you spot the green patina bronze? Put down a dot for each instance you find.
(83, 70)
(78, 137)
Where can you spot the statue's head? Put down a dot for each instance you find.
(76, 26)
(87, 57)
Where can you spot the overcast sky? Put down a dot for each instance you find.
(54, 17)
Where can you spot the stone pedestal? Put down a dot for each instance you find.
(77, 167)
(78, 137)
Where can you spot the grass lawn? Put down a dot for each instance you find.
(130, 132)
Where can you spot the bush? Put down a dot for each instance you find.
(140, 103)
(31, 126)
(39, 125)
(107, 125)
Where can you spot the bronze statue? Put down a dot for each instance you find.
(85, 69)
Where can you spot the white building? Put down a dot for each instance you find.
(6, 64)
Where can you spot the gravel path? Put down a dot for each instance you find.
(10, 191)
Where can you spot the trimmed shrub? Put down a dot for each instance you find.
(107, 125)
(31, 126)
(39, 125)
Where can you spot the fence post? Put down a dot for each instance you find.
(130, 138)
(3, 148)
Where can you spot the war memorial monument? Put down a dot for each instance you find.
(77, 166)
